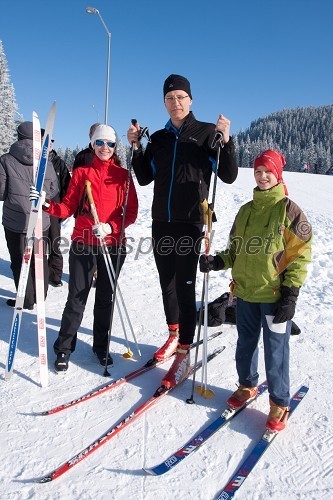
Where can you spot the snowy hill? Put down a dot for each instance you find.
(298, 465)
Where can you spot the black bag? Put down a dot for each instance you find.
(220, 312)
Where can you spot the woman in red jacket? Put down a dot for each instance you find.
(108, 185)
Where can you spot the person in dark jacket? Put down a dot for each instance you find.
(180, 160)
(86, 156)
(16, 176)
(55, 259)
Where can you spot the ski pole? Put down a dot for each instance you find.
(110, 271)
(207, 393)
(117, 271)
(106, 256)
(209, 211)
(190, 400)
(125, 311)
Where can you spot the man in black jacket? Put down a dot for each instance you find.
(180, 160)
(55, 258)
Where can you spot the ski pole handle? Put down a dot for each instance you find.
(143, 131)
(91, 201)
(88, 191)
(218, 139)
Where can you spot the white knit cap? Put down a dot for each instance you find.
(104, 132)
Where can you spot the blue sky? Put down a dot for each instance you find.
(244, 58)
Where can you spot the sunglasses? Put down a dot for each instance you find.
(100, 143)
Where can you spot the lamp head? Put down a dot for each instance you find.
(92, 10)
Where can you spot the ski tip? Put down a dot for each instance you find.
(44, 479)
(149, 471)
(40, 413)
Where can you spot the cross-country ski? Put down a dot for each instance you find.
(39, 252)
(257, 452)
(110, 433)
(26, 261)
(97, 391)
(201, 438)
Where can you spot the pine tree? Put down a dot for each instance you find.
(69, 158)
(122, 154)
(60, 153)
(8, 107)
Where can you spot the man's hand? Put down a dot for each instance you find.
(223, 125)
(133, 134)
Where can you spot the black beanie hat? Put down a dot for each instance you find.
(25, 131)
(177, 82)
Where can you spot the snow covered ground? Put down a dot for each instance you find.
(298, 465)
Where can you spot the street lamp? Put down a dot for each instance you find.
(92, 10)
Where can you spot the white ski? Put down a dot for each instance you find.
(26, 261)
(39, 264)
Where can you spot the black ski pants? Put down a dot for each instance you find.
(84, 260)
(16, 246)
(176, 251)
(55, 259)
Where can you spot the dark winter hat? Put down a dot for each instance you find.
(177, 82)
(25, 131)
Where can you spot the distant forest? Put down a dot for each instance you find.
(303, 135)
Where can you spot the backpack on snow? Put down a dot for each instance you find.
(220, 312)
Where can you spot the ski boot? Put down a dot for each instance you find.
(242, 396)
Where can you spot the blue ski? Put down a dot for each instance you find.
(200, 438)
(251, 461)
(26, 261)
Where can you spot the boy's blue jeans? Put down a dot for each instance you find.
(251, 317)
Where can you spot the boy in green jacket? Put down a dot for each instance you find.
(268, 251)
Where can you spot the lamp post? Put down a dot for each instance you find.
(92, 10)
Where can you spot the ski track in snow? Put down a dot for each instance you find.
(298, 465)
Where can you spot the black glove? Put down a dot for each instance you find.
(287, 304)
(209, 263)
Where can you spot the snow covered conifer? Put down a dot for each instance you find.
(8, 107)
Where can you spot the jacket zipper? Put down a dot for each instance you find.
(172, 177)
